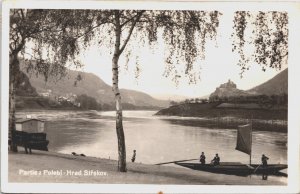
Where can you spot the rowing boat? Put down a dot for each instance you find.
(235, 168)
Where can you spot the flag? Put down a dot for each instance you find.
(244, 138)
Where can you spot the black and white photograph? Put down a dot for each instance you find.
(150, 96)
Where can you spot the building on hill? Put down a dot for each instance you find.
(225, 91)
(229, 84)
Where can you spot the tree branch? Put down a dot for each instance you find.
(129, 20)
(22, 13)
(138, 16)
(93, 28)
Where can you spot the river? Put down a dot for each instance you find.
(156, 138)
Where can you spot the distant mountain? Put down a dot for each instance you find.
(93, 86)
(277, 85)
(141, 99)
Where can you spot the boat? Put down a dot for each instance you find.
(236, 168)
(30, 133)
(35, 141)
(243, 144)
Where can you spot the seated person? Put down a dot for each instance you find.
(216, 160)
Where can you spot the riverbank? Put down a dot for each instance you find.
(51, 167)
(213, 116)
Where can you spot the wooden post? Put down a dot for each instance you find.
(251, 124)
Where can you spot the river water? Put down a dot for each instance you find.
(156, 138)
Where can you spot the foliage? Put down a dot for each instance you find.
(190, 101)
(57, 36)
(26, 26)
(264, 101)
(269, 37)
(185, 34)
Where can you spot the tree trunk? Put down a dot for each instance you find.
(14, 71)
(115, 81)
(119, 118)
(12, 119)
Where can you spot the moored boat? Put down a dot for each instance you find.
(243, 144)
(235, 168)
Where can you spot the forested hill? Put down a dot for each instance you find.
(275, 86)
(93, 86)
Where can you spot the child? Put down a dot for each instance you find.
(133, 156)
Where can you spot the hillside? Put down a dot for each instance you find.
(93, 86)
(24, 87)
(230, 107)
(277, 85)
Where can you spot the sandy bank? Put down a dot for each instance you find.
(55, 167)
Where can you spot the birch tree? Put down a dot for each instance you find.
(179, 31)
(23, 26)
(50, 48)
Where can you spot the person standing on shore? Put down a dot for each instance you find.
(133, 156)
(264, 160)
(202, 158)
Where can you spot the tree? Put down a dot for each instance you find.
(180, 29)
(203, 100)
(185, 34)
(23, 25)
(44, 32)
(173, 103)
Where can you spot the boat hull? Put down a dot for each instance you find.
(236, 168)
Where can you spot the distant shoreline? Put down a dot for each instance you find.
(274, 120)
(43, 103)
(78, 110)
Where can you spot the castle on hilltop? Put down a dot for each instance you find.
(225, 90)
(229, 84)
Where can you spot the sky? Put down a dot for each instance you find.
(219, 66)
